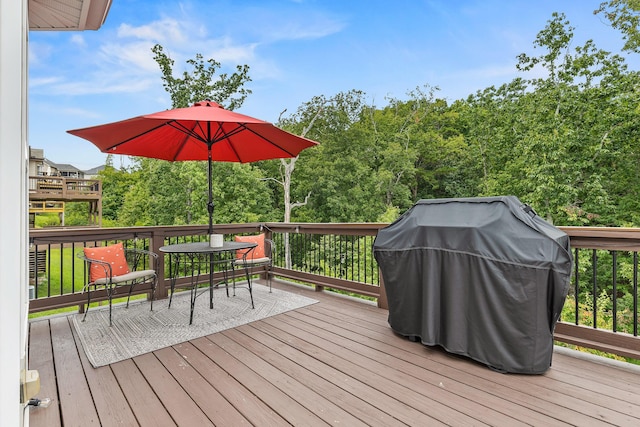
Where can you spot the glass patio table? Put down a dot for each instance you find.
(194, 256)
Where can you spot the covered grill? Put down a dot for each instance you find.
(481, 277)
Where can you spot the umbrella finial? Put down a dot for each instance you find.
(207, 103)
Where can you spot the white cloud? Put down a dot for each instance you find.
(265, 69)
(38, 53)
(78, 40)
(35, 82)
(313, 29)
(284, 25)
(101, 86)
(224, 50)
(136, 55)
(157, 31)
(79, 112)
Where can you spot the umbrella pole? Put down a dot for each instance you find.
(210, 209)
(210, 202)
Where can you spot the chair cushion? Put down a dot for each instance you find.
(257, 252)
(253, 261)
(113, 254)
(128, 277)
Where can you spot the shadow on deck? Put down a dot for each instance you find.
(336, 362)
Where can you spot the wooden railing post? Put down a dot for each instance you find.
(63, 187)
(268, 234)
(382, 299)
(155, 242)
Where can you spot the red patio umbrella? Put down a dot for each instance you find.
(205, 131)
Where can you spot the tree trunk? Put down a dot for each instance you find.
(287, 171)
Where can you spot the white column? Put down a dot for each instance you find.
(14, 212)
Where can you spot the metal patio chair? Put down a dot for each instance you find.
(112, 267)
(261, 257)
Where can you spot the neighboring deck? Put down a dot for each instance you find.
(332, 363)
(64, 189)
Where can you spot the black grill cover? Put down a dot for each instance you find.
(481, 277)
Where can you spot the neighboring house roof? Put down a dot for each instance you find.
(94, 171)
(62, 167)
(36, 153)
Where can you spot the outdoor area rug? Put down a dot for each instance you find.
(137, 330)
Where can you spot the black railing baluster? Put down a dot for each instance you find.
(35, 257)
(49, 269)
(319, 253)
(355, 275)
(577, 286)
(635, 294)
(366, 258)
(332, 260)
(614, 297)
(594, 266)
(325, 258)
(357, 248)
(307, 254)
(73, 267)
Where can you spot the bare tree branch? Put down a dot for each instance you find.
(308, 128)
(298, 204)
(271, 179)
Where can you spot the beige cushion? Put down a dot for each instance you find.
(252, 261)
(127, 277)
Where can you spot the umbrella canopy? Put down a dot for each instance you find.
(205, 131)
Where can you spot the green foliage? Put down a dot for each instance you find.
(552, 140)
(391, 214)
(47, 220)
(115, 185)
(242, 195)
(76, 214)
(199, 83)
(624, 15)
(603, 312)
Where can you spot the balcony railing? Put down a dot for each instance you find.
(601, 311)
(46, 207)
(63, 188)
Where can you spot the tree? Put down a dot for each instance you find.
(339, 172)
(199, 83)
(546, 139)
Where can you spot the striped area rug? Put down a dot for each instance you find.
(137, 330)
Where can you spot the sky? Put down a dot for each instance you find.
(296, 49)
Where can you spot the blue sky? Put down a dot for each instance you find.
(296, 49)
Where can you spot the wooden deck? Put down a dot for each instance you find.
(332, 363)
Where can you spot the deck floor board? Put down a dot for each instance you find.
(41, 359)
(332, 362)
(112, 407)
(80, 410)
